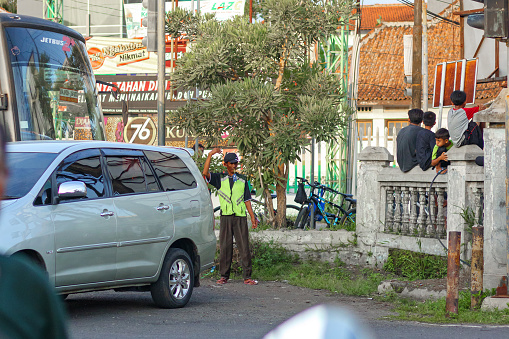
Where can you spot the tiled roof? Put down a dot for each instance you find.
(381, 68)
(373, 15)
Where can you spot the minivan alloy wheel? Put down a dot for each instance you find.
(175, 285)
(179, 279)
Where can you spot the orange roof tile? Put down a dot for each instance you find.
(381, 68)
(374, 15)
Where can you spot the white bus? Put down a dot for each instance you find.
(47, 87)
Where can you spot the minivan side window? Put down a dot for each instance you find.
(171, 170)
(126, 173)
(152, 185)
(84, 166)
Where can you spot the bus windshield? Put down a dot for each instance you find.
(55, 88)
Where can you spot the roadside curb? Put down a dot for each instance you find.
(405, 289)
(493, 303)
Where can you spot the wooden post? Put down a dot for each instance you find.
(477, 268)
(453, 273)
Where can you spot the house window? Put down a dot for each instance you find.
(363, 127)
(398, 124)
(364, 109)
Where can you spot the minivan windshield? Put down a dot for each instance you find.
(55, 87)
(25, 169)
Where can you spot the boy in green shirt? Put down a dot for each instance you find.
(439, 158)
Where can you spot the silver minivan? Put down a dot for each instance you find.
(100, 215)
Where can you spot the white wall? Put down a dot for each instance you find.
(473, 36)
(30, 7)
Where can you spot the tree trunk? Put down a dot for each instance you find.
(282, 63)
(281, 183)
(269, 207)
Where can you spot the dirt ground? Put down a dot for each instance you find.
(283, 300)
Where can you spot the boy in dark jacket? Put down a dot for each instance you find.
(426, 141)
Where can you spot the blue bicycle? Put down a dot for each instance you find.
(340, 217)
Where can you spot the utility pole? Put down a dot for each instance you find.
(161, 70)
(250, 11)
(417, 56)
(424, 57)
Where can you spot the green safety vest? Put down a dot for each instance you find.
(232, 199)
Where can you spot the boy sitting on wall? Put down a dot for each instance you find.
(439, 158)
(463, 130)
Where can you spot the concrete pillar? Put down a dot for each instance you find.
(495, 231)
(461, 171)
(373, 160)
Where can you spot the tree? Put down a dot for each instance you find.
(264, 91)
(9, 5)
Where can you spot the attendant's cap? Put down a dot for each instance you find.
(231, 158)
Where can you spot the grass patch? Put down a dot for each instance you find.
(415, 266)
(433, 311)
(273, 262)
(334, 278)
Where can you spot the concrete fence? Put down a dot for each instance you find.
(397, 210)
(401, 210)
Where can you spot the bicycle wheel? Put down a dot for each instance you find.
(293, 208)
(302, 217)
(348, 220)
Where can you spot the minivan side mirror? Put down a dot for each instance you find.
(72, 190)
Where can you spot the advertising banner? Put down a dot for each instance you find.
(223, 10)
(140, 94)
(127, 56)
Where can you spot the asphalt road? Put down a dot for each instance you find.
(238, 311)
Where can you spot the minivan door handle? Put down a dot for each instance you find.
(162, 207)
(107, 213)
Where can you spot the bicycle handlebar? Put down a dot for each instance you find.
(316, 184)
(304, 180)
(326, 188)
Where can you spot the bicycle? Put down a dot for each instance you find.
(261, 212)
(343, 217)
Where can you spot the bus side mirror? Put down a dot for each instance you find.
(114, 90)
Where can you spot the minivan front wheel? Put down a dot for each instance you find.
(174, 287)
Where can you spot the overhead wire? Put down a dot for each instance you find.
(434, 15)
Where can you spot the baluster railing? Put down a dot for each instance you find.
(415, 211)
(389, 217)
(432, 222)
(412, 228)
(423, 212)
(405, 218)
(477, 205)
(441, 221)
(397, 210)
